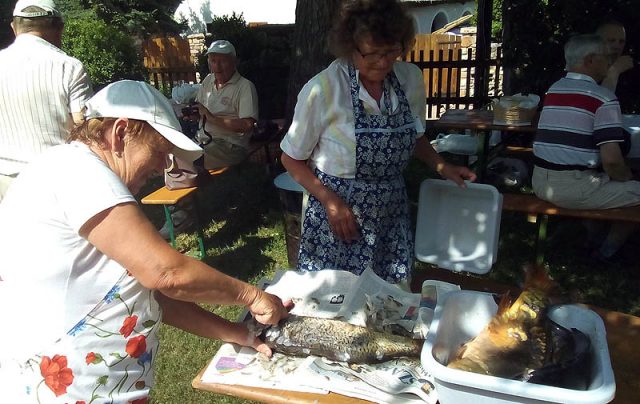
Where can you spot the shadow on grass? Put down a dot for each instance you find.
(235, 208)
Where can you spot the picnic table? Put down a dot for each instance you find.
(622, 330)
(481, 123)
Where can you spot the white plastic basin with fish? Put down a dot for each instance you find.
(465, 313)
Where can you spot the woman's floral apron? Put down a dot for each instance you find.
(107, 357)
(377, 196)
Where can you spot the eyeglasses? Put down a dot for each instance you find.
(375, 57)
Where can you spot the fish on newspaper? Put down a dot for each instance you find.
(337, 340)
(516, 339)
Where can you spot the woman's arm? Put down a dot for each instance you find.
(458, 174)
(125, 235)
(341, 218)
(194, 319)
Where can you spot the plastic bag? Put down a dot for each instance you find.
(180, 173)
(508, 174)
(456, 143)
(184, 93)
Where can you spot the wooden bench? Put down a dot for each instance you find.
(540, 210)
(167, 197)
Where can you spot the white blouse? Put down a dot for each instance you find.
(323, 128)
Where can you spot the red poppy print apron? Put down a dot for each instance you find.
(107, 357)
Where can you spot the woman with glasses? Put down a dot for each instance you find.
(355, 127)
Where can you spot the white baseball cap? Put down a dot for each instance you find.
(139, 100)
(48, 7)
(222, 46)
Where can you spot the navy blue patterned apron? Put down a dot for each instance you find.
(377, 196)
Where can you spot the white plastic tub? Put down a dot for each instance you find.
(465, 313)
(458, 228)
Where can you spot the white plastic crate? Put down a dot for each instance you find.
(458, 228)
(465, 313)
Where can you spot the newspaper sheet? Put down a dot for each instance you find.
(365, 300)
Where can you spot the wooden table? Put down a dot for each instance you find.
(623, 332)
(480, 122)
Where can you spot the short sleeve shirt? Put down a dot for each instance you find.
(237, 98)
(40, 87)
(323, 128)
(577, 118)
(49, 271)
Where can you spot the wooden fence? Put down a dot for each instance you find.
(449, 69)
(449, 73)
(169, 62)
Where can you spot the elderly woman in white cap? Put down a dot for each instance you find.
(86, 279)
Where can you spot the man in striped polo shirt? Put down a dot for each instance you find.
(578, 158)
(42, 90)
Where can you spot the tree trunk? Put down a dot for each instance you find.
(310, 52)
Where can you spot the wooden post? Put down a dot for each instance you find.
(483, 50)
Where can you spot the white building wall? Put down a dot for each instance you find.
(442, 14)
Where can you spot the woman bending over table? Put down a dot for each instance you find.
(86, 278)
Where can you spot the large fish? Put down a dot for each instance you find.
(337, 340)
(515, 341)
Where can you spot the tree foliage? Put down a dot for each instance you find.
(536, 31)
(310, 49)
(107, 53)
(249, 43)
(6, 34)
(137, 17)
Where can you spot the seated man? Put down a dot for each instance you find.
(228, 107)
(623, 77)
(228, 104)
(578, 161)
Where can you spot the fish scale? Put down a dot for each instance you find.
(337, 340)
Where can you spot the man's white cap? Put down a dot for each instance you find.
(48, 7)
(221, 46)
(139, 100)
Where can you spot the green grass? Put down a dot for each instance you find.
(244, 237)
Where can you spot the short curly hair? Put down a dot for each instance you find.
(385, 21)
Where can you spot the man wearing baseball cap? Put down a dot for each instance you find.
(228, 107)
(42, 90)
(229, 104)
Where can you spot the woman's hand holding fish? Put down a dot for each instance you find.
(341, 219)
(240, 334)
(269, 309)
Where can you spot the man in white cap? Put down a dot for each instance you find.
(42, 90)
(228, 107)
(229, 104)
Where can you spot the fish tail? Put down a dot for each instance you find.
(395, 346)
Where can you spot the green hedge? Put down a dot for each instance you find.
(107, 53)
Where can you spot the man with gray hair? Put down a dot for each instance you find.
(578, 159)
(42, 90)
(228, 107)
(229, 104)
